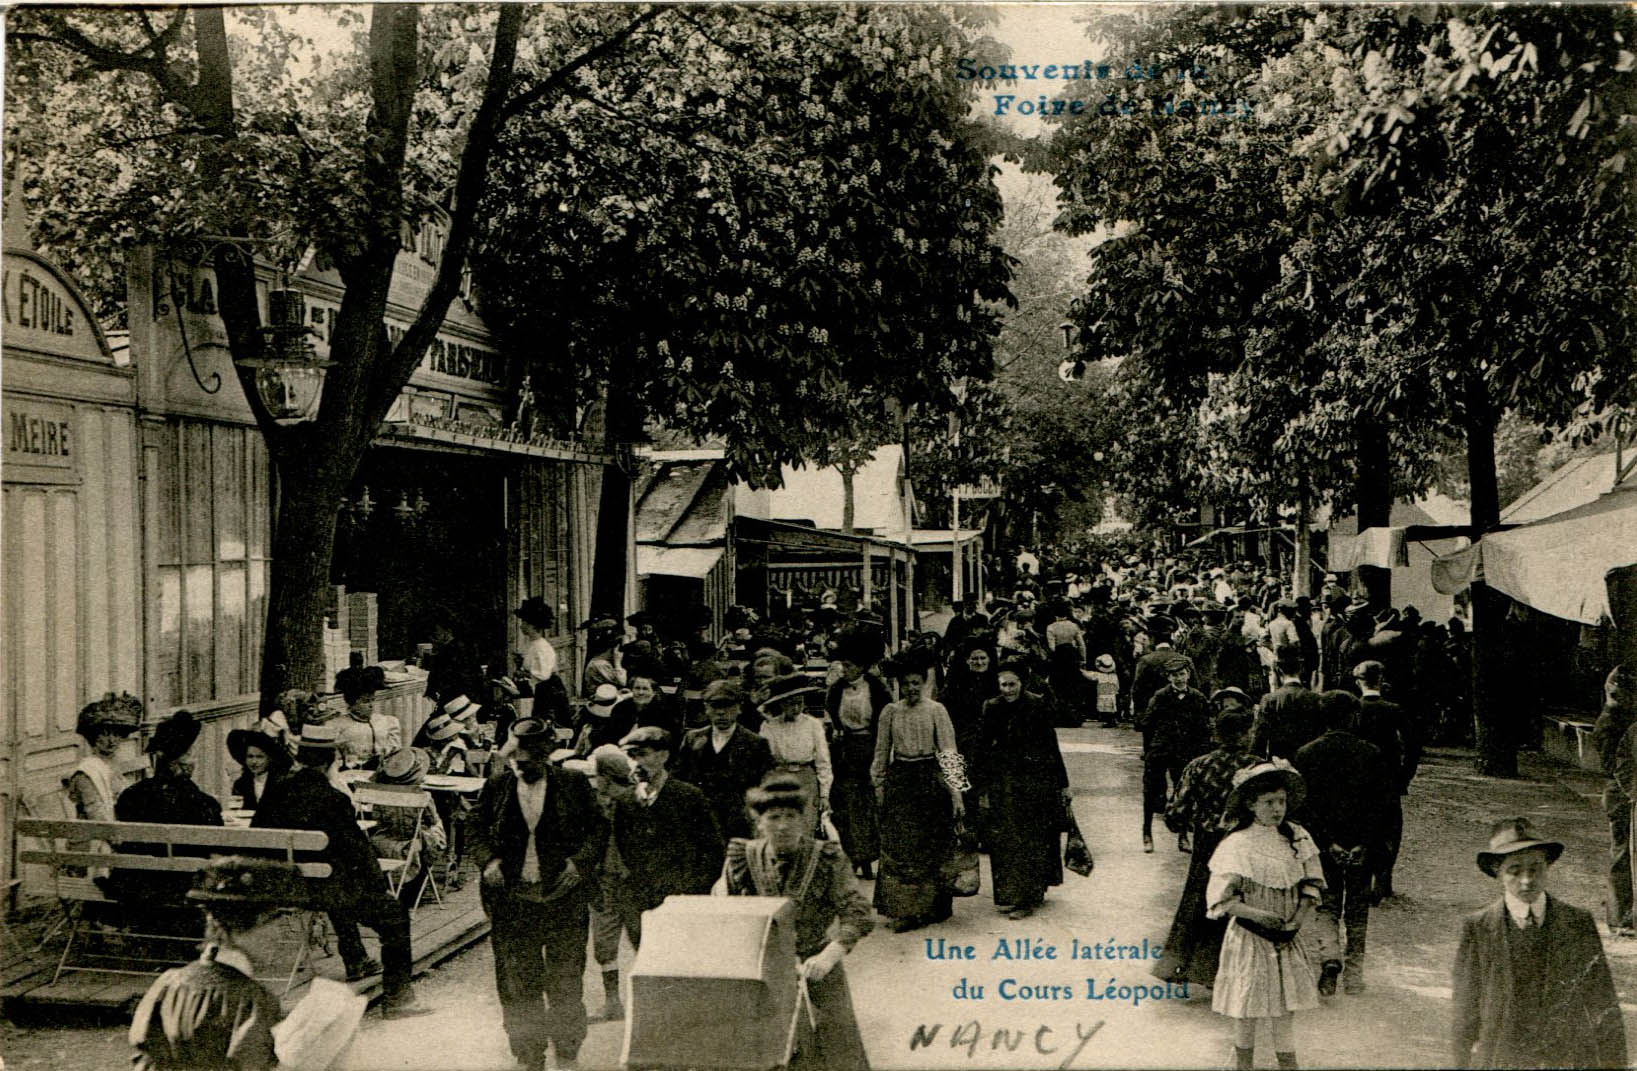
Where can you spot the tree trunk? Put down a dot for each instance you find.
(1301, 580)
(622, 426)
(1374, 504)
(846, 498)
(298, 589)
(1494, 721)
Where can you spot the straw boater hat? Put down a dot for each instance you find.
(112, 713)
(1265, 777)
(441, 727)
(603, 700)
(1104, 663)
(406, 766)
(319, 734)
(461, 708)
(235, 879)
(790, 686)
(1514, 835)
(1239, 693)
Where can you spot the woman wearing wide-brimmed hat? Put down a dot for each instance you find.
(854, 702)
(213, 1012)
(263, 760)
(104, 724)
(797, 739)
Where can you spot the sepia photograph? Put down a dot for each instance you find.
(738, 536)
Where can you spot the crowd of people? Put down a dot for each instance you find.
(1279, 739)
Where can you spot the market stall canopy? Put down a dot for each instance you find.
(693, 562)
(1425, 520)
(1557, 565)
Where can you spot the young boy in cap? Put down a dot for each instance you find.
(1532, 988)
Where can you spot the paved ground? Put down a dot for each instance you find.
(899, 991)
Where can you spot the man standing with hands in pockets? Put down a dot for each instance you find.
(537, 838)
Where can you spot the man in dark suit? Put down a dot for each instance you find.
(1349, 785)
(724, 760)
(970, 621)
(1176, 728)
(1288, 716)
(1149, 675)
(537, 836)
(1386, 725)
(355, 892)
(1532, 987)
(666, 832)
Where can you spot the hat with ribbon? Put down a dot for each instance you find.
(1223, 693)
(1253, 781)
(406, 766)
(1104, 663)
(235, 879)
(603, 700)
(1511, 835)
(531, 731)
(441, 727)
(790, 686)
(173, 736)
(461, 708)
(319, 734)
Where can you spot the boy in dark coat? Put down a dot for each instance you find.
(724, 760)
(1532, 987)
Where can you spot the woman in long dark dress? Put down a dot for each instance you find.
(1195, 942)
(1022, 788)
(970, 684)
(918, 806)
(854, 703)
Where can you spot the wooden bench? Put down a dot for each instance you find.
(76, 887)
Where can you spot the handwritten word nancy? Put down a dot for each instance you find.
(969, 70)
(970, 1036)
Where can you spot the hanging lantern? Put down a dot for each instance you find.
(365, 505)
(289, 375)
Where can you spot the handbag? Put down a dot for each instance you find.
(1076, 853)
(962, 870)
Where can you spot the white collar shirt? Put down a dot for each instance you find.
(1519, 910)
(531, 799)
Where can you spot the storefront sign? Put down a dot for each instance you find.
(446, 355)
(42, 443)
(44, 314)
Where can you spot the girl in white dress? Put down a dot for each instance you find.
(1266, 876)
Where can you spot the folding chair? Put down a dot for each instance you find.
(412, 805)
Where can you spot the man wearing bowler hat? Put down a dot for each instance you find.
(538, 838)
(1532, 988)
(665, 830)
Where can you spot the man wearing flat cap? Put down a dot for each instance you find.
(666, 832)
(1532, 987)
(538, 838)
(724, 759)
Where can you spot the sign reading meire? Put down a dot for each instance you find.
(40, 436)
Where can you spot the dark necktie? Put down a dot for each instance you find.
(782, 863)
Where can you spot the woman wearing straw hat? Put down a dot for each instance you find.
(783, 860)
(213, 1012)
(395, 827)
(797, 740)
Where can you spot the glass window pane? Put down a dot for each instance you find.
(167, 682)
(167, 540)
(229, 630)
(198, 585)
(227, 492)
(196, 541)
(256, 611)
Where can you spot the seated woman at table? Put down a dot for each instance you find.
(395, 827)
(446, 740)
(263, 760)
(366, 735)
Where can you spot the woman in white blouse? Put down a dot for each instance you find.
(798, 742)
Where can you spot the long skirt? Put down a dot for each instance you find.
(917, 834)
(1195, 942)
(852, 797)
(836, 1044)
(1024, 837)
